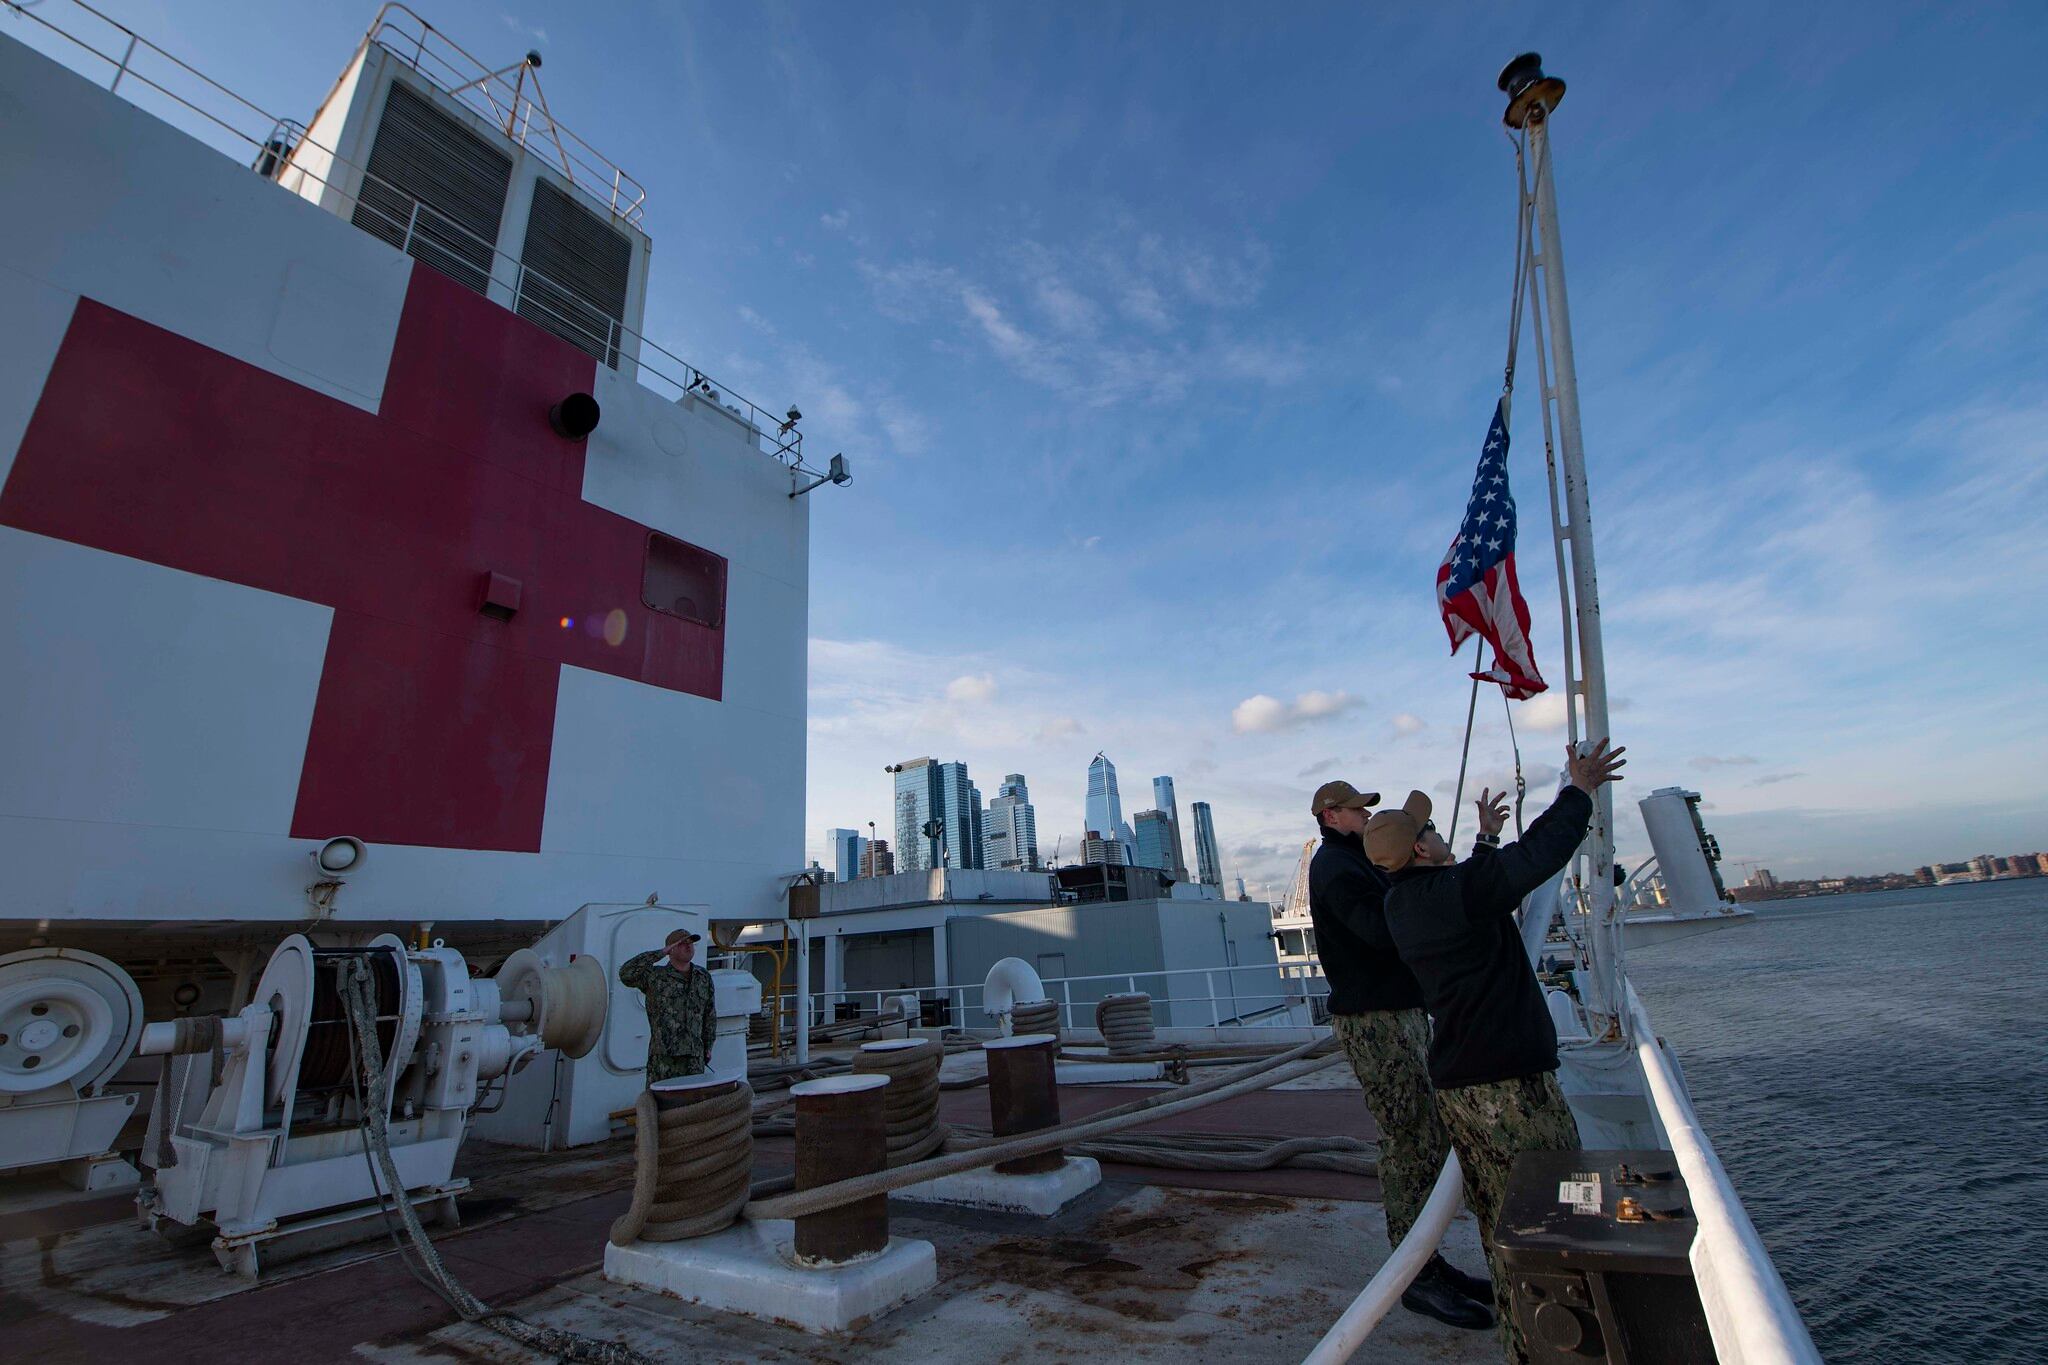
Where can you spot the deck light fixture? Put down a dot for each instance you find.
(835, 473)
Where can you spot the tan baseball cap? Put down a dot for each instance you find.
(678, 935)
(1391, 834)
(1340, 796)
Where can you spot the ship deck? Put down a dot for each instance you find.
(1152, 1265)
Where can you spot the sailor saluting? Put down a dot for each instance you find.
(682, 1017)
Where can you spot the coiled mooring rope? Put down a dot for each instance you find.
(1036, 1016)
(691, 1165)
(1125, 1022)
(910, 1106)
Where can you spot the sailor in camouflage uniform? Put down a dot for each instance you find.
(1493, 1050)
(682, 1016)
(1376, 1013)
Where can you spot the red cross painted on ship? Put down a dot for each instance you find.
(434, 721)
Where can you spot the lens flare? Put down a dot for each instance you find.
(615, 627)
(567, 622)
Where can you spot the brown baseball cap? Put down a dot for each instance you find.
(678, 935)
(1391, 834)
(1341, 796)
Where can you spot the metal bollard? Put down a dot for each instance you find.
(841, 1133)
(1024, 1095)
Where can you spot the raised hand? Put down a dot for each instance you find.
(1588, 771)
(1493, 810)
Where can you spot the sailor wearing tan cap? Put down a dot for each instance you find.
(1376, 1013)
(682, 1011)
(1493, 1055)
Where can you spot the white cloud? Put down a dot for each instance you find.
(1731, 761)
(1060, 727)
(972, 687)
(1261, 714)
(834, 221)
(1544, 712)
(1407, 723)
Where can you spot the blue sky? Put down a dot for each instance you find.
(1162, 338)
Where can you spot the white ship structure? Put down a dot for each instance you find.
(398, 639)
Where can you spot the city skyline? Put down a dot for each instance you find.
(923, 789)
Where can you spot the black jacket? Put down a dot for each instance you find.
(1455, 928)
(1345, 892)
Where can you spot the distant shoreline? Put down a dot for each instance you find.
(1816, 893)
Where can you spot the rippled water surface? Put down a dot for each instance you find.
(1874, 1072)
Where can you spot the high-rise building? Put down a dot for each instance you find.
(845, 846)
(1105, 812)
(979, 833)
(1208, 863)
(1009, 836)
(875, 858)
(916, 805)
(959, 810)
(1155, 841)
(1097, 847)
(1163, 799)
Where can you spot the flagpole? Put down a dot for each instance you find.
(1532, 96)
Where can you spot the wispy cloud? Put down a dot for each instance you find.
(1051, 316)
(1261, 714)
(971, 687)
(524, 29)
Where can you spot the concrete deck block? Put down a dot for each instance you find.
(750, 1269)
(1044, 1194)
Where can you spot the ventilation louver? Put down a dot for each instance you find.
(434, 189)
(573, 272)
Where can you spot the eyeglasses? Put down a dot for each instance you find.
(1428, 827)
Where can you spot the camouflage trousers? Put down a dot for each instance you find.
(1389, 1049)
(1491, 1125)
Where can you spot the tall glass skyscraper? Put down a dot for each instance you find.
(959, 807)
(1208, 863)
(917, 801)
(1163, 799)
(1105, 808)
(1155, 841)
(1009, 836)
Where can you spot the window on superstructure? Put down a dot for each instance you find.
(683, 580)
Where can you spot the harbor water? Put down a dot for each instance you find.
(1873, 1070)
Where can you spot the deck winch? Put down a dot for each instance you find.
(277, 1147)
(68, 1021)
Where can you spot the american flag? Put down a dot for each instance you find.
(1475, 585)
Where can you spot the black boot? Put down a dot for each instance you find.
(1434, 1296)
(1477, 1288)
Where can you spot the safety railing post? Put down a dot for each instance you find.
(1215, 1016)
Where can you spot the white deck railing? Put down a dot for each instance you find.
(1749, 1310)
